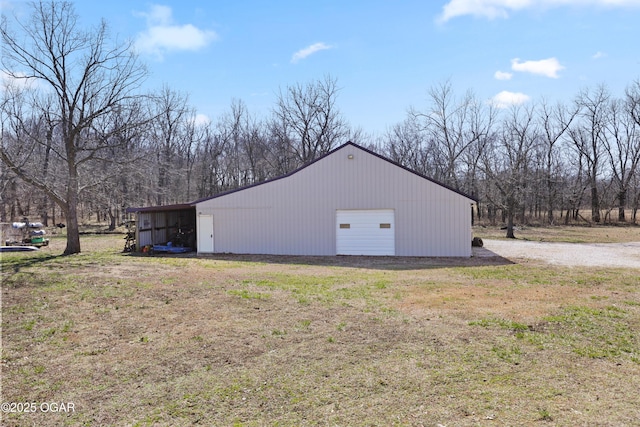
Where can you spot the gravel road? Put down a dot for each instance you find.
(569, 254)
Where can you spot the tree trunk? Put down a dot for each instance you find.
(622, 200)
(510, 234)
(71, 214)
(44, 216)
(492, 213)
(73, 233)
(595, 204)
(45, 172)
(550, 197)
(112, 220)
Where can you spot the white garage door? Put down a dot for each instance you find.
(365, 232)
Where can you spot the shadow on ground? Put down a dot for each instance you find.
(8, 269)
(480, 257)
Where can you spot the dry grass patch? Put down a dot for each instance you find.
(291, 341)
(522, 293)
(566, 233)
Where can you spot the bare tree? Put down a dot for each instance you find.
(170, 114)
(207, 164)
(554, 123)
(244, 146)
(307, 120)
(195, 134)
(633, 101)
(635, 197)
(119, 181)
(254, 151)
(481, 129)
(447, 141)
(588, 136)
(87, 75)
(454, 125)
(281, 153)
(633, 107)
(407, 144)
(507, 162)
(622, 146)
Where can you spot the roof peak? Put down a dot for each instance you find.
(348, 143)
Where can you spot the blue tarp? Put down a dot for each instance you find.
(171, 249)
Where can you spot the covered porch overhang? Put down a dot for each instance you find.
(158, 225)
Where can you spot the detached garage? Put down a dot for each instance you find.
(351, 201)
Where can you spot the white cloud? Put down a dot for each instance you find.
(492, 9)
(157, 15)
(599, 55)
(482, 8)
(544, 67)
(505, 99)
(201, 119)
(309, 50)
(5, 5)
(19, 81)
(162, 35)
(502, 75)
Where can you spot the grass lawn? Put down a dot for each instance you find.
(338, 341)
(569, 234)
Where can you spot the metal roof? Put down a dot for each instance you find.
(164, 208)
(475, 199)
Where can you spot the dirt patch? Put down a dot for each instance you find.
(471, 302)
(506, 298)
(625, 255)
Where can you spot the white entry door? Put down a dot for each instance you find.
(205, 233)
(365, 232)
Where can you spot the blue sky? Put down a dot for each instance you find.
(384, 54)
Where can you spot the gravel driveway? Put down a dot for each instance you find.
(569, 254)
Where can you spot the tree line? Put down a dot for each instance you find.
(538, 160)
(80, 137)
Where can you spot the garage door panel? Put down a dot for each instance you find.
(365, 232)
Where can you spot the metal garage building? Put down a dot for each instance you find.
(351, 201)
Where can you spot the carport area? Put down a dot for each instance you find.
(170, 226)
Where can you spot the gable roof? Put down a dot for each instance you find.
(349, 143)
(161, 208)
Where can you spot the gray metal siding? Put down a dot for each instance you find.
(296, 215)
